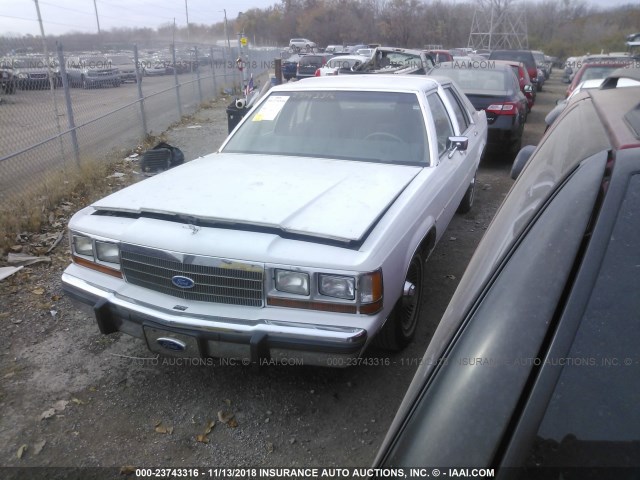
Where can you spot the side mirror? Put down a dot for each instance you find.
(528, 88)
(521, 160)
(457, 143)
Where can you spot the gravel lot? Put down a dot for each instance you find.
(72, 397)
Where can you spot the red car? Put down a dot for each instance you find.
(440, 55)
(526, 86)
(595, 70)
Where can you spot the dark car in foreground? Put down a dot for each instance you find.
(534, 369)
(495, 89)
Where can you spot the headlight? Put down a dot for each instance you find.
(83, 245)
(23, 75)
(99, 255)
(292, 282)
(107, 252)
(337, 286)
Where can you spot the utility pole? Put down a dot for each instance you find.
(52, 79)
(95, 7)
(186, 8)
(226, 30)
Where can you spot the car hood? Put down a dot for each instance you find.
(332, 199)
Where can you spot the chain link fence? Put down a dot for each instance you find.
(62, 109)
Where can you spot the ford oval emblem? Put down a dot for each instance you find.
(172, 344)
(182, 282)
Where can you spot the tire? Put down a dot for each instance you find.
(400, 327)
(516, 145)
(467, 201)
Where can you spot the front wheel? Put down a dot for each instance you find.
(467, 201)
(400, 327)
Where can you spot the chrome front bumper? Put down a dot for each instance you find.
(250, 341)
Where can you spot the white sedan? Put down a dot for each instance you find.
(341, 63)
(304, 238)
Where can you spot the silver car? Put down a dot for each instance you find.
(303, 239)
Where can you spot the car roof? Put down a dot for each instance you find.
(619, 111)
(512, 63)
(390, 83)
(476, 64)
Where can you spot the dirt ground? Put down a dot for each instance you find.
(71, 397)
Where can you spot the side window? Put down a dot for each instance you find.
(461, 115)
(593, 417)
(441, 120)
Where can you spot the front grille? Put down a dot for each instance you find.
(235, 284)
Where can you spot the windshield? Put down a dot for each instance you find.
(404, 60)
(385, 127)
(122, 60)
(93, 62)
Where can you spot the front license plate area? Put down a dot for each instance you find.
(170, 343)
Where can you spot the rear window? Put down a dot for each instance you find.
(314, 60)
(478, 79)
(520, 56)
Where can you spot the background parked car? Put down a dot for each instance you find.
(526, 86)
(308, 64)
(542, 63)
(524, 56)
(541, 80)
(334, 49)
(397, 61)
(300, 44)
(341, 64)
(125, 66)
(91, 71)
(32, 72)
(440, 55)
(290, 66)
(627, 77)
(7, 80)
(496, 90)
(154, 67)
(598, 69)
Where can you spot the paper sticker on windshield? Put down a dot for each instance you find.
(270, 108)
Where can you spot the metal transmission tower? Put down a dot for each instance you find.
(498, 24)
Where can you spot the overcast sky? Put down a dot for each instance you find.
(19, 17)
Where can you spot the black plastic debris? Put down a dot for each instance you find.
(161, 157)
